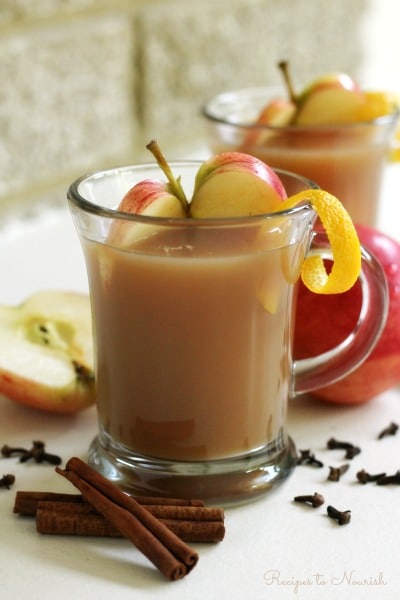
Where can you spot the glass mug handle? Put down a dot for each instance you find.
(328, 367)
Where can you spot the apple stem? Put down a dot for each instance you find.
(175, 182)
(284, 67)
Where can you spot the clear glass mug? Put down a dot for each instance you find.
(345, 160)
(193, 325)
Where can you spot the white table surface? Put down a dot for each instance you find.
(274, 548)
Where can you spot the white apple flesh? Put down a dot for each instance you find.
(234, 184)
(46, 352)
(330, 106)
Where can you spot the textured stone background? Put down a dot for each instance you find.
(87, 83)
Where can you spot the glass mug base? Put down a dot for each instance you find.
(227, 481)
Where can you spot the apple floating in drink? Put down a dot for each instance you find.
(277, 113)
(332, 99)
(150, 198)
(46, 356)
(234, 184)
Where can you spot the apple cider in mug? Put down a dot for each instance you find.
(193, 344)
(193, 306)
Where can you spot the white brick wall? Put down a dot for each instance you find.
(86, 83)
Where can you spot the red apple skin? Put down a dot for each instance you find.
(61, 401)
(323, 321)
(236, 162)
(279, 112)
(141, 197)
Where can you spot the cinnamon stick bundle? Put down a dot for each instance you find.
(173, 557)
(69, 514)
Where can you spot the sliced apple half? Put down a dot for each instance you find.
(279, 112)
(330, 106)
(46, 352)
(235, 184)
(151, 198)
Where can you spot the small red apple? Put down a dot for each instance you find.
(323, 321)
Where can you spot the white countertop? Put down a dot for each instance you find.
(269, 545)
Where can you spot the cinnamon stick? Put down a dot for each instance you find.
(177, 513)
(161, 546)
(26, 501)
(63, 518)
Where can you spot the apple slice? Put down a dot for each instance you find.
(150, 198)
(234, 184)
(330, 106)
(46, 352)
(279, 112)
(329, 81)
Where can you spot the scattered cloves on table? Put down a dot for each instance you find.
(391, 429)
(335, 473)
(314, 499)
(351, 449)
(342, 517)
(308, 458)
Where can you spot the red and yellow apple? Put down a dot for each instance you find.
(46, 352)
(234, 184)
(332, 99)
(324, 321)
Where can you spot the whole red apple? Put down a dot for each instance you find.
(323, 321)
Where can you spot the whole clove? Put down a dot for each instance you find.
(7, 480)
(10, 451)
(391, 429)
(342, 517)
(335, 473)
(364, 477)
(308, 458)
(315, 499)
(351, 449)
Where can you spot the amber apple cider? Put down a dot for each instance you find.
(345, 163)
(193, 338)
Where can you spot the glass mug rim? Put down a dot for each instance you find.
(77, 198)
(261, 93)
